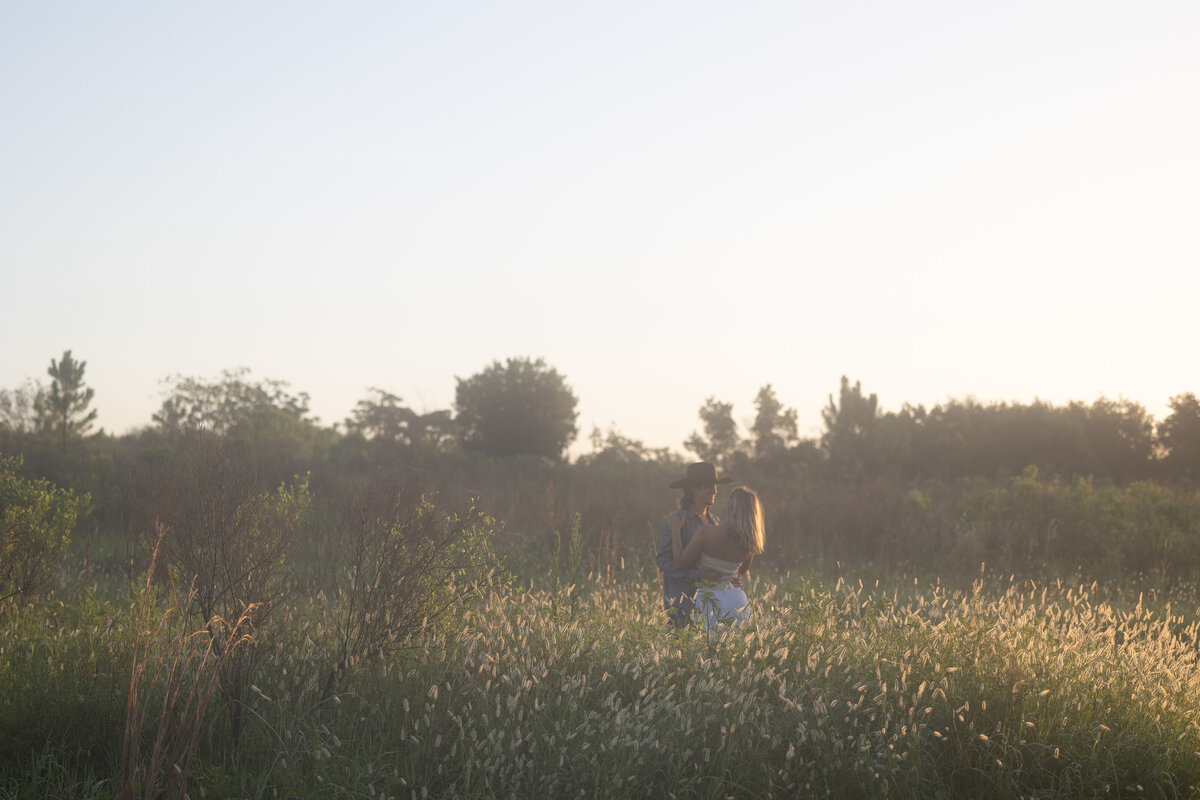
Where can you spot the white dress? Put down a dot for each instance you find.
(722, 602)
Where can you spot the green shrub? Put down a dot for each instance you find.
(36, 520)
(1033, 525)
(406, 566)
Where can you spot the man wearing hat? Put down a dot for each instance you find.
(699, 487)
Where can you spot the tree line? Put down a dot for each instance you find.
(1116, 440)
(524, 407)
(520, 407)
(939, 486)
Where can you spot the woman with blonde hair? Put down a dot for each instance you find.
(724, 550)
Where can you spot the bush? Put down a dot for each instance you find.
(224, 542)
(36, 520)
(222, 535)
(406, 565)
(1030, 525)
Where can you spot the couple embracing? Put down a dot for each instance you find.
(704, 559)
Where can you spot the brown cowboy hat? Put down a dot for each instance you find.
(702, 473)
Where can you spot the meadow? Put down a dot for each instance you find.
(973, 600)
(561, 683)
(202, 626)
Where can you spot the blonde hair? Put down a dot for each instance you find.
(746, 519)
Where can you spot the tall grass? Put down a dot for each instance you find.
(830, 691)
(842, 688)
(174, 672)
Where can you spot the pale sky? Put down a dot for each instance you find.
(666, 201)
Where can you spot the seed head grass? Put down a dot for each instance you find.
(831, 689)
(999, 691)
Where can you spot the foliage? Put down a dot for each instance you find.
(720, 443)
(36, 520)
(1110, 439)
(521, 407)
(774, 427)
(367, 669)
(223, 542)
(220, 531)
(1118, 439)
(264, 420)
(1032, 525)
(382, 418)
(824, 507)
(849, 423)
(1179, 434)
(222, 405)
(64, 408)
(406, 565)
(612, 448)
(18, 408)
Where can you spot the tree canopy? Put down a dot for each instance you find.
(223, 404)
(382, 417)
(1180, 435)
(520, 407)
(18, 408)
(64, 408)
(261, 416)
(775, 427)
(720, 441)
(614, 448)
(849, 422)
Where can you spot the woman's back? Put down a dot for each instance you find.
(718, 543)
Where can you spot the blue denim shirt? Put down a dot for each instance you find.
(665, 558)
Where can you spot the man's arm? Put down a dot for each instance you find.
(684, 555)
(663, 556)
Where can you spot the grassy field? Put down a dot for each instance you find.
(552, 688)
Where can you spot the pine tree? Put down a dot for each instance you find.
(775, 427)
(64, 408)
